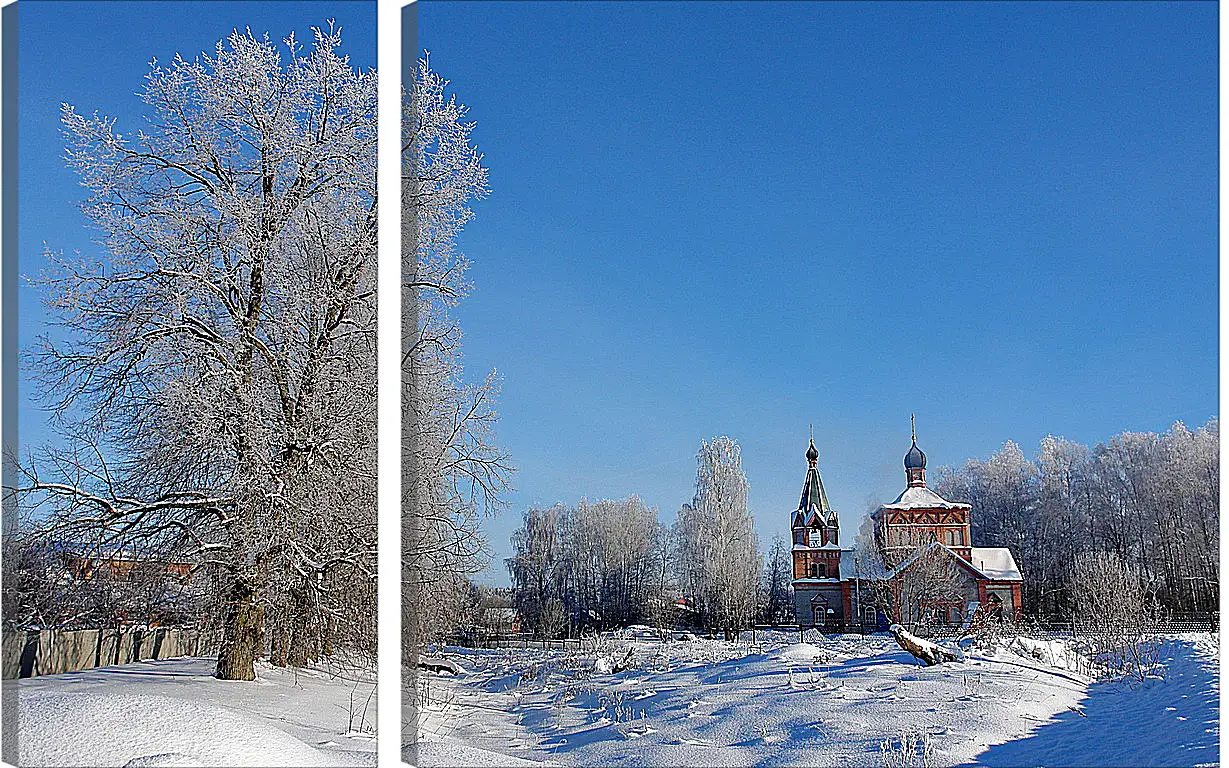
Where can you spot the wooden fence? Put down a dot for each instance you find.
(1036, 626)
(1044, 626)
(513, 641)
(1163, 625)
(31, 653)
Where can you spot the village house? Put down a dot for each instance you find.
(834, 588)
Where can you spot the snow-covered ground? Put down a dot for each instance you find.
(847, 701)
(174, 713)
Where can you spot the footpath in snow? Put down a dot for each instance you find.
(846, 701)
(175, 713)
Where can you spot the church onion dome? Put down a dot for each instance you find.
(812, 454)
(915, 459)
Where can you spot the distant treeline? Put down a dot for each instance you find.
(1150, 499)
(601, 565)
(612, 563)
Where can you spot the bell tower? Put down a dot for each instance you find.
(815, 527)
(821, 591)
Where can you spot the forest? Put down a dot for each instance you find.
(1150, 499)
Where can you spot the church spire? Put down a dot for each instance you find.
(915, 460)
(814, 499)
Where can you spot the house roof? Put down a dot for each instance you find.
(990, 563)
(847, 563)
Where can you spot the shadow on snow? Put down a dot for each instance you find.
(1170, 722)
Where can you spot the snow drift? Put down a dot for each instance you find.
(125, 730)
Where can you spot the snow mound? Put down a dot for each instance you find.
(139, 731)
(1052, 653)
(804, 653)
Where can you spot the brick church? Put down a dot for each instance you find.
(829, 590)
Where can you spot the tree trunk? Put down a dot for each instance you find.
(302, 634)
(923, 650)
(330, 628)
(279, 644)
(241, 636)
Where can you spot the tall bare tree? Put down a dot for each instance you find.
(452, 472)
(215, 371)
(604, 564)
(777, 604)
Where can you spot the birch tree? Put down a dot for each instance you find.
(214, 377)
(536, 567)
(719, 559)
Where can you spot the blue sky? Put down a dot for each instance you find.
(95, 55)
(729, 218)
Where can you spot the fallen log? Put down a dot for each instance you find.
(923, 650)
(439, 665)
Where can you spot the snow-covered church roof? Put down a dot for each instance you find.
(992, 563)
(995, 563)
(921, 497)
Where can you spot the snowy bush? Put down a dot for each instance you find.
(617, 707)
(1115, 608)
(908, 750)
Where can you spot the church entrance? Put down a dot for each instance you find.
(822, 614)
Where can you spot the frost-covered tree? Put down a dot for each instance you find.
(537, 566)
(1114, 604)
(452, 473)
(718, 553)
(777, 602)
(214, 373)
(612, 547)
